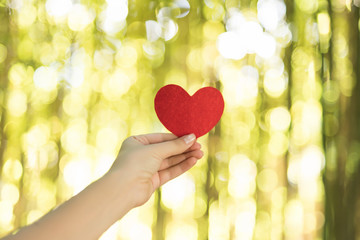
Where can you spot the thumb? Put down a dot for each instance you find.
(173, 147)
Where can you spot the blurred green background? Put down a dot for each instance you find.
(78, 77)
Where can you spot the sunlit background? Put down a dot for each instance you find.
(78, 77)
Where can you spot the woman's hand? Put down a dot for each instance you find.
(151, 160)
(144, 163)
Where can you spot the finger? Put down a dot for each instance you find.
(195, 146)
(173, 147)
(179, 158)
(146, 139)
(155, 138)
(171, 173)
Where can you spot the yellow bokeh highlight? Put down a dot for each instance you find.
(45, 78)
(211, 30)
(79, 17)
(74, 137)
(17, 103)
(194, 60)
(103, 59)
(244, 131)
(279, 119)
(46, 196)
(127, 56)
(218, 223)
(12, 170)
(243, 172)
(278, 144)
(10, 192)
(294, 219)
(240, 85)
(107, 139)
(244, 225)
(6, 209)
(178, 230)
(77, 174)
(117, 85)
(178, 195)
(307, 6)
(275, 83)
(324, 23)
(132, 227)
(73, 105)
(37, 136)
(19, 75)
(177, 77)
(27, 16)
(33, 216)
(25, 49)
(47, 55)
(267, 180)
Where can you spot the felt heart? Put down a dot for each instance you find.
(183, 114)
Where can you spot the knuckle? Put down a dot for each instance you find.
(180, 142)
(128, 139)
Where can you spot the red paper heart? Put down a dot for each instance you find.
(183, 114)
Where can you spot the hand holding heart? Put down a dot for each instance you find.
(153, 159)
(144, 163)
(150, 160)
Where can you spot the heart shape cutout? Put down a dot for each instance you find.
(183, 114)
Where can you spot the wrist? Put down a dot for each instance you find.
(130, 187)
(120, 189)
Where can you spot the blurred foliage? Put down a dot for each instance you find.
(78, 77)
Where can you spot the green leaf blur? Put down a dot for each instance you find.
(78, 77)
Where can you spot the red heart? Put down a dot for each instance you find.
(183, 114)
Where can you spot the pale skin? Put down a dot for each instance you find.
(144, 163)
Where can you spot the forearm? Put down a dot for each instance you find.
(86, 215)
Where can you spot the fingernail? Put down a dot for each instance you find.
(189, 138)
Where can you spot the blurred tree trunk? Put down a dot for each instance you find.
(342, 151)
(5, 39)
(212, 167)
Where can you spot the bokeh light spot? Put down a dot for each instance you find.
(153, 30)
(6, 210)
(182, 230)
(77, 174)
(242, 175)
(46, 78)
(175, 192)
(127, 56)
(12, 169)
(270, 13)
(58, 8)
(17, 103)
(27, 16)
(279, 119)
(323, 23)
(184, 8)
(10, 192)
(267, 180)
(307, 6)
(103, 59)
(80, 17)
(275, 83)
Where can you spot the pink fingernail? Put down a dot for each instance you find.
(189, 138)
